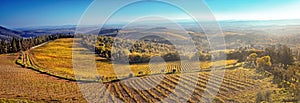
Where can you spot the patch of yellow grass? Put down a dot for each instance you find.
(56, 57)
(208, 64)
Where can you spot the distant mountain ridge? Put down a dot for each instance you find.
(8, 34)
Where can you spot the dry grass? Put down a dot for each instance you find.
(208, 64)
(56, 58)
(21, 85)
(15, 101)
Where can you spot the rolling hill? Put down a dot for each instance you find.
(8, 34)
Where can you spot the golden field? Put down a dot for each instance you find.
(56, 58)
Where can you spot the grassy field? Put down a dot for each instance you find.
(56, 58)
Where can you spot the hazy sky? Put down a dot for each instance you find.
(24, 13)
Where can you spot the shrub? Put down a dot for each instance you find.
(130, 75)
(171, 56)
(174, 70)
(263, 64)
(263, 96)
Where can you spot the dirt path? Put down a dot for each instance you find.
(21, 83)
(40, 45)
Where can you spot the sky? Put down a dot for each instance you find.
(27, 13)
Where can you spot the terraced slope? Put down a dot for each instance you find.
(158, 87)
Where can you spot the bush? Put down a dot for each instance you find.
(263, 96)
(130, 75)
(263, 64)
(171, 57)
(139, 58)
(202, 56)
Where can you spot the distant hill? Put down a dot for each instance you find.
(8, 34)
(37, 32)
(67, 29)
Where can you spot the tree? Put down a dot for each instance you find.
(298, 56)
(1, 47)
(285, 56)
(13, 45)
(253, 56)
(250, 61)
(4, 47)
(263, 96)
(272, 52)
(263, 63)
(135, 57)
(280, 54)
(172, 56)
(20, 45)
(288, 79)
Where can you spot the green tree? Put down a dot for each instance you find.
(285, 56)
(13, 47)
(280, 54)
(251, 60)
(273, 53)
(2, 46)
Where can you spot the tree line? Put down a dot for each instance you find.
(280, 62)
(126, 50)
(22, 44)
(140, 51)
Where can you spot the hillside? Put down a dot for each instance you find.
(8, 34)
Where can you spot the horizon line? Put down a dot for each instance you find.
(122, 23)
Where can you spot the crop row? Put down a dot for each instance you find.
(177, 88)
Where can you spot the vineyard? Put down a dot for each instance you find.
(151, 89)
(235, 82)
(127, 91)
(149, 82)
